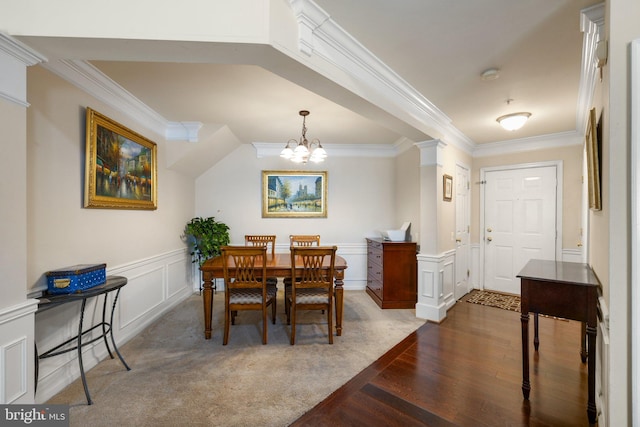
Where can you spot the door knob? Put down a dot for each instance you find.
(489, 238)
(459, 240)
(489, 229)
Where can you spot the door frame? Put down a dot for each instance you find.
(468, 215)
(559, 186)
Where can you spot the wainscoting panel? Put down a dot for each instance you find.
(428, 285)
(16, 353)
(448, 280)
(14, 356)
(142, 294)
(154, 286)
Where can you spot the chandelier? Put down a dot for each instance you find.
(302, 151)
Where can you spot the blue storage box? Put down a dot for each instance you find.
(76, 278)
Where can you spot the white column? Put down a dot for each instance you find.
(435, 269)
(17, 312)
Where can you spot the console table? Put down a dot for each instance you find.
(562, 289)
(48, 301)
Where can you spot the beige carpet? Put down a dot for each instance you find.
(180, 379)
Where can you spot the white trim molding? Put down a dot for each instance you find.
(635, 231)
(431, 152)
(15, 57)
(436, 281)
(592, 25)
(321, 37)
(88, 78)
(17, 353)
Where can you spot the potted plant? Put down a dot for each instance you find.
(205, 237)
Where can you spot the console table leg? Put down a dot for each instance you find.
(536, 337)
(84, 378)
(583, 342)
(104, 324)
(113, 341)
(526, 386)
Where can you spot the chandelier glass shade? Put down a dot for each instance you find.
(302, 151)
(513, 121)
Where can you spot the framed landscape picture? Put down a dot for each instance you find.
(120, 166)
(294, 194)
(447, 188)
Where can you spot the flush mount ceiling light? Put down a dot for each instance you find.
(513, 121)
(302, 151)
(490, 74)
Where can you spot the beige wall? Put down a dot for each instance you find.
(13, 208)
(407, 190)
(571, 157)
(360, 198)
(60, 231)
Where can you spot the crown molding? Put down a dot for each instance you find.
(271, 149)
(543, 142)
(20, 51)
(592, 27)
(15, 57)
(91, 80)
(319, 35)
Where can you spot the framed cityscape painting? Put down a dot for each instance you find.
(294, 194)
(120, 166)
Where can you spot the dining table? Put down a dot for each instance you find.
(278, 265)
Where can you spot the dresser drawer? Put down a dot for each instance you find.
(374, 271)
(375, 253)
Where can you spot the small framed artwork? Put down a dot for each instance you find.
(447, 188)
(120, 166)
(294, 194)
(592, 142)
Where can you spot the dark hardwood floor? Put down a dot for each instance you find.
(466, 371)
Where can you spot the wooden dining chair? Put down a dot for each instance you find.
(245, 283)
(267, 240)
(312, 289)
(304, 240)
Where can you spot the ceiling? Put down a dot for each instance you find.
(439, 47)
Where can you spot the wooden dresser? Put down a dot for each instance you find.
(392, 273)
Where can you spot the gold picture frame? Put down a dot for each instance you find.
(120, 166)
(294, 194)
(447, 188)
(593, 162)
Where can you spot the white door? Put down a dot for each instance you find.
(520, 223)
(461, 199)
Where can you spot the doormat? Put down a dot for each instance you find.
(495, 299)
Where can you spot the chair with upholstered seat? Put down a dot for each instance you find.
(245, 282)
(312, 289)
(304, 240)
